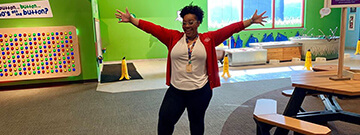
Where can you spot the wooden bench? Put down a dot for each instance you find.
(266, 117)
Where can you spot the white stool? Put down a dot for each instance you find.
(274, 61)
(320, 59)
(295, 60)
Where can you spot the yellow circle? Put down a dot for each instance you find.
(68, 65)
(57, 41)
(51, 66)
(21, 43)
(47, 34)
(29, 34)
(39, 43)
(8, 57)
(43, 38)
(12, 52)
(19, 65)
(1, 44)
(33, 68)
(63, 54)
(11, 74)
(31, 51)
(14, 69)
(45, 54)
(53, 46)
(37, 64)
(23, 60)
(47, 71)
(17, 48)
(27, 56)
(65, 33)
(59, 58)
(10, 35)
(35, 47)
(61, 37)
(67, 50)
(25, 39)
(71, 45)
(6, 40)
(73, 61)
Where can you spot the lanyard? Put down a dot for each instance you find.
(190, 49)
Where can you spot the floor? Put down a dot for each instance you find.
(153, 73)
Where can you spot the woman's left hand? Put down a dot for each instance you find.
(258, 18)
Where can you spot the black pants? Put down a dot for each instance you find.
(174, 103)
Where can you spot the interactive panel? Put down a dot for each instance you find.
(38, 53)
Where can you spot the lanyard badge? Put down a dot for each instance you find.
(190, 49)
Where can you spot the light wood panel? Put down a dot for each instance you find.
(293, 124)
(320, 81)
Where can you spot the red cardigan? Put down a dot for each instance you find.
(209, 39)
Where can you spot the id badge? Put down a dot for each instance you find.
(188, 68)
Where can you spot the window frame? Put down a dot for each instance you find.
(273, 18)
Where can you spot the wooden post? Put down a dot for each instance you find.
(341, 47)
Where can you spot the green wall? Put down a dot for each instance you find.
(126, 40)
(65, 12)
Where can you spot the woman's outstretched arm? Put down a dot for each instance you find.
(126, 17)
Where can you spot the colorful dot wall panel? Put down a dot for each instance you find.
(38, 53)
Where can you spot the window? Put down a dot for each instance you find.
(288, 13)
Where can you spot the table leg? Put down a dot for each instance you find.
(293, 107)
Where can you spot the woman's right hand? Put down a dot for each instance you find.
(123, 17)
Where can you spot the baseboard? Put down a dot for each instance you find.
(41, 85)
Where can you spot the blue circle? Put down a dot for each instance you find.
(34, 39)
(32, 60)
(53, 38)
(1, 35)
(56, 71)
(18, 56)
(11, 44)
(14, 61)
(26, 47)
(60, 66)
(30, 43)
(20, 73)
(42, 67)
(19, 35)
(3, 53)
(1, 74)
(6, 70)
(58, 50)
(40, 51)
(68, 58)
(36, 55)
(22, 52)
(24, 69)
(50, 58)
(7, 48)
(72, 53)
(64, 62)
(39, 34)
(57, 33)
(9, 65)
(54, 54)
(62, 46)
(73, 69)
(16, 39)
(39, 72)
(44, 46)
(66, 41)
(70, 37)
(28, 64)
(49, 42)
(47, 63)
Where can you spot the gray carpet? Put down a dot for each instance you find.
(79, 109)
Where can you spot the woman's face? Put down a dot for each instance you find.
(190, 25)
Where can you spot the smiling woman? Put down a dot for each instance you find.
(192, 71)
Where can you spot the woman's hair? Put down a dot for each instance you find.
(197, 11)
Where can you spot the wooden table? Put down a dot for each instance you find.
(319, 83)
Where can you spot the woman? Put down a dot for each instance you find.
(192, 70)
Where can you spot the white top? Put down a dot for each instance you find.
(181, 79)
